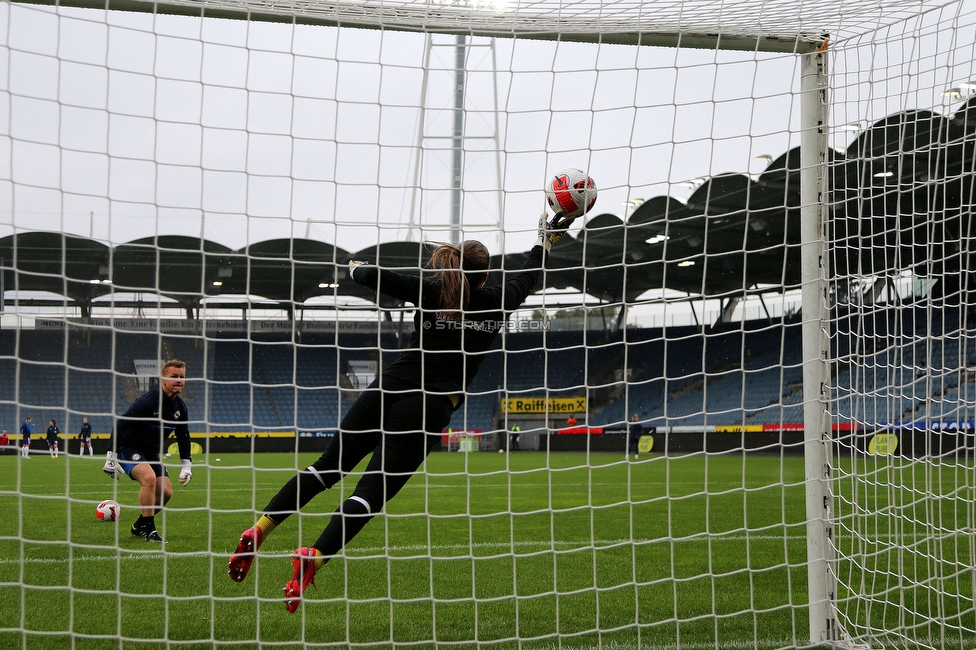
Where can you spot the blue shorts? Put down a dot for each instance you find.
(129, 457)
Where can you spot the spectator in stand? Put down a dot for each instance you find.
(921, 370)
(4, 438)
(634, 432)
(571, 421)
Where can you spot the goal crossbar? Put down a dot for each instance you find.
(668, 24)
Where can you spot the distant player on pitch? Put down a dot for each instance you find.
(52, 438)
(84, 438)
(139, 437)
(26, 431)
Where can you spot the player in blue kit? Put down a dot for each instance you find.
(139, 437)
(26, 431)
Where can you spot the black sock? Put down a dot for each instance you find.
(146, 522)
(351, 517)
(293, 495)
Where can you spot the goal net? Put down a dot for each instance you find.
(901, 339)
(736, 412)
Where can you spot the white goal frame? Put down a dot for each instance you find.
(664, 24)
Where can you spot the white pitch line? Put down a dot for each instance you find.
(732, 644)
(601, 544)
(421, 484)
(724, 644)
(99, 493)
(357, 551)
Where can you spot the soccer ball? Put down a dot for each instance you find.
(571, 192)
(107, 510)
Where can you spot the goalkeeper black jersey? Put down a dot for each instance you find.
(444, 354)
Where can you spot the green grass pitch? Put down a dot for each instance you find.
(504, 551)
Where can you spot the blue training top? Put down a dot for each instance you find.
(151, 419)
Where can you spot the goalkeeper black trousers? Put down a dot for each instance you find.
(399, 428)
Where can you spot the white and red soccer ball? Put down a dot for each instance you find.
(571, 192)
(107, 510)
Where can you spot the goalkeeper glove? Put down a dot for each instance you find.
(111, 466)
(185, 473)
(353, 265)
(552, 230)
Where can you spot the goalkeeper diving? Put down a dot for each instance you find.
(400, 416)
(139, 437)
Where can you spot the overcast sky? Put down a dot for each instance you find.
(126, 125)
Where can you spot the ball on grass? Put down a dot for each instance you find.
(108, 510)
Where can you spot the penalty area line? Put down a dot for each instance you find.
(600, 544)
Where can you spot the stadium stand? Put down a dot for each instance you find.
(733, 376)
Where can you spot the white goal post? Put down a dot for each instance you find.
(774, 284)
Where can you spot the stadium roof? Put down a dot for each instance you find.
(902, 198)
